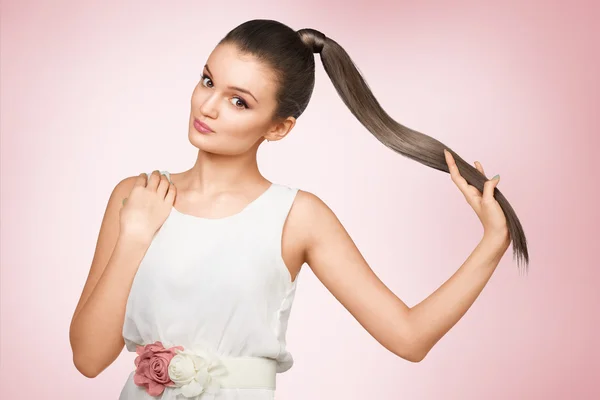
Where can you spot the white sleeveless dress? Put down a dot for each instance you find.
(217, 283)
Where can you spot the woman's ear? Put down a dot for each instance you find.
(281, 129)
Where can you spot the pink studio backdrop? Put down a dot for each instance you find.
(93, 92)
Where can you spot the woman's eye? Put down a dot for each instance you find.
(239, 101)
(205, 77)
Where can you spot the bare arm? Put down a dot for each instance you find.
(407, 332)
(96, 328)
(437, 314)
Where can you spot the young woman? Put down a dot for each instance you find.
(197, 270)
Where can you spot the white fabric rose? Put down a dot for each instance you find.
(196, 372)
(181, 368)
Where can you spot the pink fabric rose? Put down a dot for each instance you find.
(152, 367)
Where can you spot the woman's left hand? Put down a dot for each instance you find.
(485, 205)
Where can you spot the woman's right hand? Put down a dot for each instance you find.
(147, 207)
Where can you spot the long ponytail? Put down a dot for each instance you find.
(357, 96)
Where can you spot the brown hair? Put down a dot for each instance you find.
(290, 54)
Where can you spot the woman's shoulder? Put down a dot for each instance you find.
(311, 222)
(307, 211)
(308, 203)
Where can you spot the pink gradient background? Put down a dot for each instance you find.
(93, 92)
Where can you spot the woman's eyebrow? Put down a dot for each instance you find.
(234, 87)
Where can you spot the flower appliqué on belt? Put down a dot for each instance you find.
(191, 372)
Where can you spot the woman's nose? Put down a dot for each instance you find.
(209, 106)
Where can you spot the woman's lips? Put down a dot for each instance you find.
(202, 127)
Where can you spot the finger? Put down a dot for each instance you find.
(171, 194)
(153, 180)
(461, 182)
(163, 186)
(488, 188)
(479, 167)
(141, 180)
(124, 201)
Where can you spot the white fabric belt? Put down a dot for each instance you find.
(197, 370)
(249, 373)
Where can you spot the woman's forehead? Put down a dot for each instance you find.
(228, 63)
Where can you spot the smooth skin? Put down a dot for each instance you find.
(224, 179)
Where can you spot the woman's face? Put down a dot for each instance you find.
(235, 97)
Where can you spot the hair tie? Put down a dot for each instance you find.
(312, 38)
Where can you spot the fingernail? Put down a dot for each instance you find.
(496, 177)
